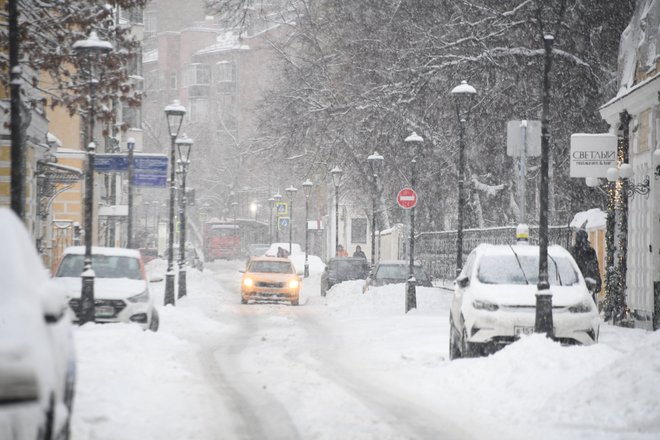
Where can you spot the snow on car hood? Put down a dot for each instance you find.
(525, 294)
(104, 288)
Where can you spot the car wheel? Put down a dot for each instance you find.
(466, 347)
(243, 300)
(454, 350)
(155, 321)
(295, 302)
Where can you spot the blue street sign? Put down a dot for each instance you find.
(104, 163)
(283, 222)
(151, 162)
(281, 208)
(150, 180)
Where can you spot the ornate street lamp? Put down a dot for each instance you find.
(278, 198)
(336, 173)
(90, 48)
(375, 161)
(174, 114)
(411, 284)
(307, 189)
(130, 144)
(463, 95)
(271, 204)
(290, 193)
(184, 146)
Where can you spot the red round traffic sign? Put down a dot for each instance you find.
(407, 198)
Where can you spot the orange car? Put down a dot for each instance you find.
(270, 279)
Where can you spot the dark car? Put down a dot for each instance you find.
(394, 272)
(343, 269)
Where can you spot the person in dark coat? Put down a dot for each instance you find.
(358, 252)
(586, 259)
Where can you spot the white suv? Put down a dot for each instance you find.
(121, 287)
(494, 299)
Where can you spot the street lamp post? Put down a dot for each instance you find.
(184, 146)
(278, 198)
(336, 173)
(234, 208)
(463, 95)
(411, 283)
(376, 164)
(271, 204)
(290, 192)
(146, 204)
(90, 48)
(307, 189)
(131, 169)
(174, 114)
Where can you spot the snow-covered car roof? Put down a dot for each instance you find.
(272, 250)
(504, 249)
(101, 250)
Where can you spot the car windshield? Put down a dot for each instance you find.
(348, 268)
(505, 269)
(105, 266)
(399, 272)
(271, 267)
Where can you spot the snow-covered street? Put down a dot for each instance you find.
(349, 366)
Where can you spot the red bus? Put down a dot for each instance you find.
(221, 240)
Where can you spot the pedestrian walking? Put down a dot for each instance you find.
(358, 252)
(586, 259)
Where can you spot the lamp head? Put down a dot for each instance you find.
(92, 45)
(174, 114)
(463, 95)
(291, 191)
(612, 174)
(376, 162)
(307, 187)
(336, 173)
(184, 145)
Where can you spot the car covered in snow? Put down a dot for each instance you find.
(396, 272)
(121, 286)
(340, 269)
(37, 359)
(270, 279)
(494, 300)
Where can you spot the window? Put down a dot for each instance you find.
(199, 109)
(131, 116)
(196, 74)
(359, 230)
(225, 71)
(169, 80)
(150, 21)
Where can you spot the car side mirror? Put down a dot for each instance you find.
(241, 270)
(54, 305)
(156, 278)
(463, 281)
(591, 284)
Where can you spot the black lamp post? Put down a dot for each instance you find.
(543, 319)
(278, 198)
(146, 221)
(290, 192)
(234, 208)
(307, 189)
(131, 170)
(271, 204)
(184, 145)
(174, 114)
(463, 95)
(411, 283)
(91, 48)
(336, 173)
(376, 164)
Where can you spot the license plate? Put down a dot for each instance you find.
(519, 330)
(104, 312)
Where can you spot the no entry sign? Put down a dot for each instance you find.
(407, 198)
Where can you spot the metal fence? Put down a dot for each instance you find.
(437, 250)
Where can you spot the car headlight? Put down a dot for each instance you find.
(293, 284)
(140, 298)
(248, 282)
(583, 307)
(484, 305)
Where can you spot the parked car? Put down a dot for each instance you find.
(494, 299)
(396, 271)
(37, 359)
(341, 269)
(121, 287)
(270, 279)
